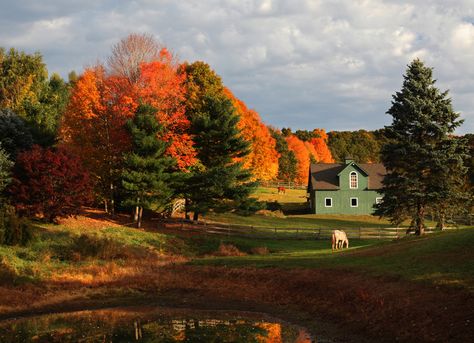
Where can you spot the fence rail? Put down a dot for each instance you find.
(288, 185)
(295, 233)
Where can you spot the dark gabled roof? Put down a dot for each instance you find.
(324, 176)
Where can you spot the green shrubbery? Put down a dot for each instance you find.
(14, 230)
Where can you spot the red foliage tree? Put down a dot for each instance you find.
(302, 156)
(93, 127)
(48, 182)
(263, 158)
(323, 154)
(162, 86)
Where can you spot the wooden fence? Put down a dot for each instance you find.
(287, 185)
(293, 233)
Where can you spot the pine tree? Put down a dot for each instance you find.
(147, 177)
(219, 181)
(424, 162)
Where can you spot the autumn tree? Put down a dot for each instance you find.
(424, 162)
(26, 90)
(263, 156)
(147, 177)
(49, 182)
(319, 142)
(161, 85)
(130, 53)
(218, 181)
(93, 127)
(302, 156)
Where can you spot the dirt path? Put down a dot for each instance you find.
(379, 309)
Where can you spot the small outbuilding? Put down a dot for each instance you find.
(345, 188)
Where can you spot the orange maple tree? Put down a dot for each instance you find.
(323, 154)
(263, 158)
(93, 126)
(302, 156)
(161, 86)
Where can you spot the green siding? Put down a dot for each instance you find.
(341, 203)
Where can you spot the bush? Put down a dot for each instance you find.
(14, 230)
(49, 182)
(228, 250)
(260, 251)
(96, 247)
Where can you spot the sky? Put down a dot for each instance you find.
(302, 64)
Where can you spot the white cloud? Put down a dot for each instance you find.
(300, 63)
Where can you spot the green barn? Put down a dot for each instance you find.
(345, 188)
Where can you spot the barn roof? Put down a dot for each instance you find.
(324, 176)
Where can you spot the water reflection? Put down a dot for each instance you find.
(151, 325)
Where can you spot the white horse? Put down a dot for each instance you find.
(339, 238)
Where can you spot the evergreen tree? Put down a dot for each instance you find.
(219, 181)
(287, 162)
(146, 177)
(5, 172)
(424, 162)
(15, 135)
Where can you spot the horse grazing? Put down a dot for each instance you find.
(281, 190)
(339, 238)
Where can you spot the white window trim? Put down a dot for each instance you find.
(357, 180)
(378, 200)
(325, 204)
(357, 202)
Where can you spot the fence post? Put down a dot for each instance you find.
(319, 233)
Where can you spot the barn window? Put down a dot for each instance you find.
(327, 202)
(353, 180)
(354, 202)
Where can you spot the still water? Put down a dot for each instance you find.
(151, 324)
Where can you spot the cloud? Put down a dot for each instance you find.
(304, 63)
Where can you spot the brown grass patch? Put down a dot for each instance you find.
(228, 250)
(260, 251)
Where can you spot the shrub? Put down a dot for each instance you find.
(260, 251)
(228, 250)
(49, 182)
(13, 230)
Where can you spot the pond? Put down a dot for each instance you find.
(151, 324)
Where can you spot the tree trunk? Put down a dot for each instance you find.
(420, 220)
(140, 214)
(196, 216)
(112, 203)
(106, 209)
(441, 220)
(186, 208)
(137, 209)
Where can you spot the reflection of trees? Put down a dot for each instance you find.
(148, 326)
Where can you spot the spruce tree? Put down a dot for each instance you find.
(147, 177)
(424, 161)
(219, 181)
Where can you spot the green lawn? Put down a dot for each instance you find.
(295, 215)
(441, 258)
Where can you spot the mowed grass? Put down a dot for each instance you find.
(296, 214)
(440, 258)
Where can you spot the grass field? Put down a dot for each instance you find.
(95, 260)
(441, 258)
(295, 214)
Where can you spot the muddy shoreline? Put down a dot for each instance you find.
(346, 306)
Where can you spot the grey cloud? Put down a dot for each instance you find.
(304, 63)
